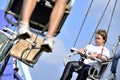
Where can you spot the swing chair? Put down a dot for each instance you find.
(40, 16)
(28, 51)
(93, 73)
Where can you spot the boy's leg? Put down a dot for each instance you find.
(69, 69)
(27, 9)
(55, 19)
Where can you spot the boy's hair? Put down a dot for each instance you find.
(103, 33)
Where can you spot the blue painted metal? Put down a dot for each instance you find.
(9, 72)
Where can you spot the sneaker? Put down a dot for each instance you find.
(23, 31)
(47, 44)
(112, 76)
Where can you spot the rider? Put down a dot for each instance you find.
(55, 18)
(114, 64)
(95, 51)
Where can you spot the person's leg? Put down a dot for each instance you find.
(114, 66)
(56, 16)
(69, 69)
(83, 73)
(27, 9)
(115, 63)
(55, 19)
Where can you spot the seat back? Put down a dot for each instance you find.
(40, 14)
(96, 74)
(26, 52)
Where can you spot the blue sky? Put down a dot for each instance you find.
(50, 65)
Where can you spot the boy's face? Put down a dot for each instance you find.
(99, 40)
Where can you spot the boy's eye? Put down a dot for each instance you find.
(97, 38)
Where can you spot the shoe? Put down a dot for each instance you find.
(47, 44)
(112, 76)
(23, 31)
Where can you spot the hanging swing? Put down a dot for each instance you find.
(74, 51)
(28, 51)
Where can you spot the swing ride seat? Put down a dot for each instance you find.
(40, 17)
(28, 51)
(93, 73)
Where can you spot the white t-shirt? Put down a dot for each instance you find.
(97, 49)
